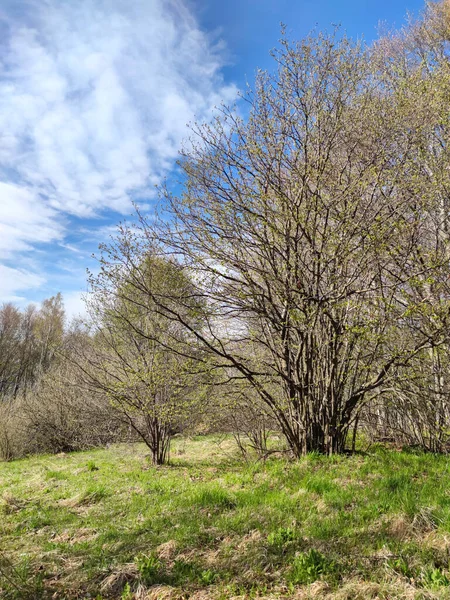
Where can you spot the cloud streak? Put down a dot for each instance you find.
(94, 100)
(13, 281)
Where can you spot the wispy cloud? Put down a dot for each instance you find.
(25, 217)
(94, 100)
(13, 281)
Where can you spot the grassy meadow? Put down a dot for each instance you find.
(105, 524)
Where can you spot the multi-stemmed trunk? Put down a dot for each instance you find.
(157, 437)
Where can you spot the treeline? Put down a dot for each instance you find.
(43, 407)
(301, 281)
(28, 342)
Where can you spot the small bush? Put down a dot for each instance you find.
(434, 577)
(400, 566)
(151, 570)
(184, 572)
(308, 567)
(281, 536)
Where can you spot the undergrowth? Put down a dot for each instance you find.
(106, 524)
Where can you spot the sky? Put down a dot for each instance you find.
(95, 98)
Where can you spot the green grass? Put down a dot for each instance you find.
(106, 524)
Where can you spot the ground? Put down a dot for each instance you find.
(106, 524)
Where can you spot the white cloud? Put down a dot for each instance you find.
(24, 219)
(14, 280)
(74, 305)
(94, 99)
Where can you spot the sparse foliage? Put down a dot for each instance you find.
(138, 356)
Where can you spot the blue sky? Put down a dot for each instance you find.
(94, 100)
(250, 28)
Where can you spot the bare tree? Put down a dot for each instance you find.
(29, 340)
